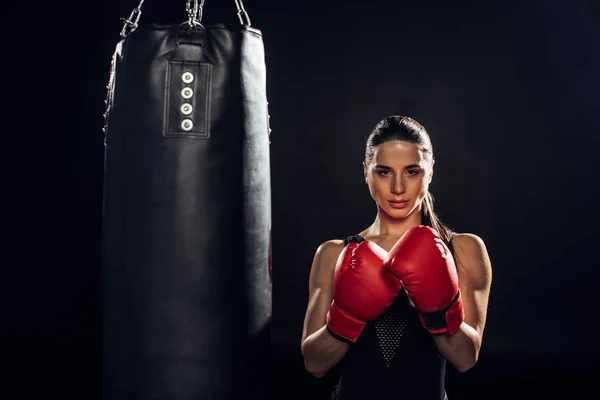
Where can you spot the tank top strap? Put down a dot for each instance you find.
(353, 238)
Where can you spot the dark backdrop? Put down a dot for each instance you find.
(509, 91)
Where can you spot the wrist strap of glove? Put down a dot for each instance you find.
(344, 324)
(445, 320)
(336, 336)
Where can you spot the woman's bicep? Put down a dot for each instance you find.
(320, 287)
(475, 275)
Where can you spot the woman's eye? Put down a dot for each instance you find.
(383, 172)
(413, 172)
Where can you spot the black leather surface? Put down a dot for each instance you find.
(187, 217)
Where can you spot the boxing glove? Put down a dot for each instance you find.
(424, 264)
(362, 290)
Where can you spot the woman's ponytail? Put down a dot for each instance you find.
(431, 219)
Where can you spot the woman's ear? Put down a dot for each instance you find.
(431, 171)
(365, 171)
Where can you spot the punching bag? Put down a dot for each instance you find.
(186, 287)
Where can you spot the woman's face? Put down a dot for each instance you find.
(398, 176)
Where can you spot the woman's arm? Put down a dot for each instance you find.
(321, 351)
(474, 269)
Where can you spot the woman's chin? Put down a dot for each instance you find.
(397, 213)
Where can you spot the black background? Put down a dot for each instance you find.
(508, 90)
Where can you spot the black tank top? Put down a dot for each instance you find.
(394, 358)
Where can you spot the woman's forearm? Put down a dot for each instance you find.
(461, 349)
(322, 352)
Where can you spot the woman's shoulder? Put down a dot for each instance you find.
(466, 239)
(326, 256)
(329, 247)
(471, 254)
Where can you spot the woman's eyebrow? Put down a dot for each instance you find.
(407, 167)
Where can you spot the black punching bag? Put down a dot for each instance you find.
(186, 290)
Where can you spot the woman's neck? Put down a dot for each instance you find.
(387, 227)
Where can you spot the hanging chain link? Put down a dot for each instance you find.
(194, 10)
(242, 12)
(131, 23)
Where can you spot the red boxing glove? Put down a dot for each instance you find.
(362, 290)
(424, 264)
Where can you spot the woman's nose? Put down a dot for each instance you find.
(398, 185)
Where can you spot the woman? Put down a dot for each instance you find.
(375, 299)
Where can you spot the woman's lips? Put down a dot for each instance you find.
(398, 204)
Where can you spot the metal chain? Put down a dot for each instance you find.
(242, 12)
(194, 12)
(131, 23)
(194, 9)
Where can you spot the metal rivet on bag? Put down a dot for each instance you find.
(187, 124)
(186, 108)
(187, 93)
(187, 77)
